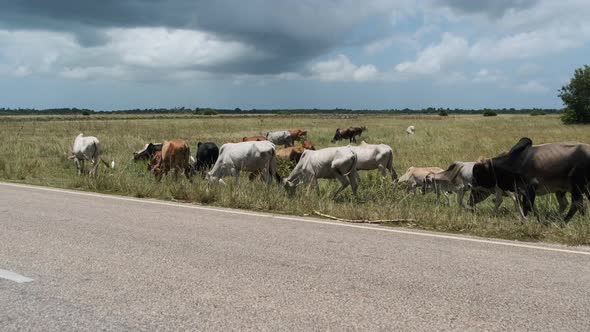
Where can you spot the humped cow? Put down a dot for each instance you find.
(147, 152)
(207, 154)
(244, 156)
(175, 155)
(87, 148)
(530, 170)
(348, 133)
(282, 137)
(415, 177)
(375, 156)
(328, 163)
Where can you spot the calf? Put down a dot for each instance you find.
(415, 177)
(456, 178)
(244, 156)
(297, 134)
(329, 163)
(87, 148)
(375, 156)
(411, 130)
(293, 153)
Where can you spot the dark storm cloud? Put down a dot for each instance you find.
(290, 32)
(492, 8)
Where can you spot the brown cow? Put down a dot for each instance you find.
(297, 133)
(294, 153)
(175, 155)
(348, 133)
(254, 138)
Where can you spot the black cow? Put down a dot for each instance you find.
(207, 154)
(147, 152)
(530, 170)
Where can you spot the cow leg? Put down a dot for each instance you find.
(448, 196)
(561, 200)
(344, 183)
(353, 183)
(236, 173)
(460, 194)
(577, 203)
(79, 165)
(498, 199)
(94, 167)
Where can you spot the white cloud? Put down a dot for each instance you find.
(532, 87)
(485, 75)
(341, 69)
(434, 58)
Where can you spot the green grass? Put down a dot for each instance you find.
(34, 150)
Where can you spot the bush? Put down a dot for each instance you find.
(86, 113)
(209, 112)
(443, 113)
(537, 113)
(489, 113)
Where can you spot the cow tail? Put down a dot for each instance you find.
(353, 167)
(390, 167)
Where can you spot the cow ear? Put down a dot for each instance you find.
(522, 145)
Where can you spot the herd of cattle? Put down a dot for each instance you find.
(522, 173)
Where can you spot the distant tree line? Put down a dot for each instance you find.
(214, 111)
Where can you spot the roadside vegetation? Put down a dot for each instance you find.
(35, 150)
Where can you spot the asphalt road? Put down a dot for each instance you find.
(109, 263)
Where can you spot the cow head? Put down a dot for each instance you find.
(337, 136)
(308, 145)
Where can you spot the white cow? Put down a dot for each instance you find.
(411, 130)
(87, 148)
(375, 156)
(282, 137)
(329, 163)
(458, 178)
(415, 177)
(244, 156)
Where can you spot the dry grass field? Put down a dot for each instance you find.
(34, 150)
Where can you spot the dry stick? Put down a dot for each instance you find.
(365, 221)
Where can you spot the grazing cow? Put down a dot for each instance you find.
(348, 133)
(375, 156)
(529, 170)
(282, 137)
(411, 130)
(175, 155)
(244, 156)
(297, 134)
(456, 178)
(416, 176)
(293, 153)
(207, 154)
(328, 163)
(147, 152)
(254, 139)
(87, 148)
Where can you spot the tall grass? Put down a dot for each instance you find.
(35, 151)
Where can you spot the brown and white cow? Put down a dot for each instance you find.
(175, 155)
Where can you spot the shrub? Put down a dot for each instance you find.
(489, 113)
(443, 113)
(538, 112)
(209, 112)
(86, 113)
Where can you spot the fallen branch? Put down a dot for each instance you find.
(362, 221)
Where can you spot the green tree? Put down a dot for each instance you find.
(576, 97)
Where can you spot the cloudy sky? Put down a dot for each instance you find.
(114, 54)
